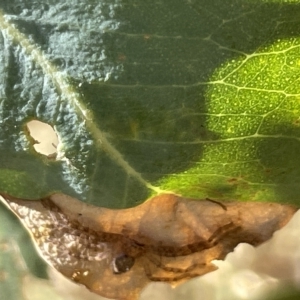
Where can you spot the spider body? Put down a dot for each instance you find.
(115, 253)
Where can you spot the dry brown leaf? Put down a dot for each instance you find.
(115, 253)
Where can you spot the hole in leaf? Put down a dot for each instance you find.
(45, 139)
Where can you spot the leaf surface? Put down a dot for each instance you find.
(197, 99)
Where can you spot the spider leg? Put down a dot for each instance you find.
(222, 232)
(217, 202)
(178, 273)
(160, 265)
(169, 279)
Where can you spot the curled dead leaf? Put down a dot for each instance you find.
(115, 253)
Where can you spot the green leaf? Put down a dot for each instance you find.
(198, 99)
(253, 108)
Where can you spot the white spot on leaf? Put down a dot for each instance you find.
(45, 137)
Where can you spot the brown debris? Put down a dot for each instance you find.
(115, 253)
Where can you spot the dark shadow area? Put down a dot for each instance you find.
(285, 293)
(280, 162)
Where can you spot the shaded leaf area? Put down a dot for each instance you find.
(286, 294)
(115, 253)
(175, 87)
(16, 249)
